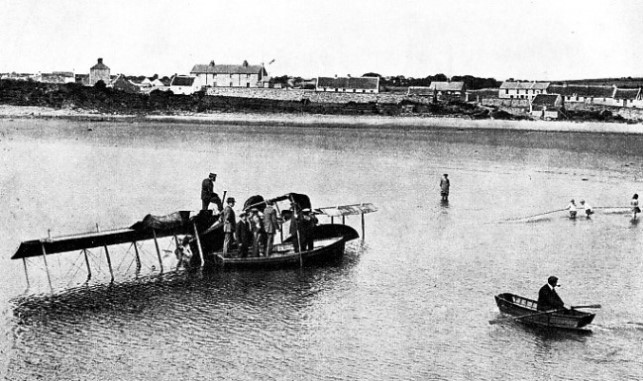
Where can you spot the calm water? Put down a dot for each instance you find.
(412, 302)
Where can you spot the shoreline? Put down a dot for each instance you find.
(8, 112)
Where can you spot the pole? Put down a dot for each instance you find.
(158, 251)
(24, 262)
(363, 230)
(44, 255)
(138, 258)
(89, 270)
(109, 260)
(198, 245)
(343, 219)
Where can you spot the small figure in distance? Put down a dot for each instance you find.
(256, 226)
(229, 226)
(586, 208)
(445, 184)
(634, 204)
(183, 252)
(270, 225)
(572, 209)
(244, 234)
(548, 299)
(207, 193)
(308, 222)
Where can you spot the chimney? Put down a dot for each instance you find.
(212, 63)
(100, 60)
(245, 63)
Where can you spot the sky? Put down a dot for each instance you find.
(531, 40)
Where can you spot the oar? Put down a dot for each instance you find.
(588, 306)
(496, 321)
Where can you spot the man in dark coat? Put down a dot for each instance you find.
(270, 225)
(244, 235)
(307, 224)
(207, 193)
(548, 299)
(229, 226)
(445, 184)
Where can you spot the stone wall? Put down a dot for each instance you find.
(625, 112)
(310, 95)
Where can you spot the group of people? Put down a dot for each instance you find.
(583, 207)
(256, 229)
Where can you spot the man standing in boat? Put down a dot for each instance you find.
(548, 299)
(207, 193)
(244, 235)
(445, 184)
(270, 225)
(229, 225)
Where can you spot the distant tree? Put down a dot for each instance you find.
(371, 74)
(100, 85)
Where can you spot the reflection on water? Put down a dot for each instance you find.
(412, 302)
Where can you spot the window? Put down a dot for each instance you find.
(506, 91)
(247, 85)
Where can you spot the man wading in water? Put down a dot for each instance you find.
(445, 184)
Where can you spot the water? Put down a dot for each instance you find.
(412, 302)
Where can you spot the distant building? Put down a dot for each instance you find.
(585, 94)
(244, 75)
(546, 106)
(182, 84)
(55, 77)
(99, 72)
(522, 90)
(629, 97)
(121, 83)
(348, 84)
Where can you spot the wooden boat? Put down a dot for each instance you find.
(569, 319)
(329, 244)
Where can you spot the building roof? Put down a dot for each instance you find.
(629, 94)
(582, 91)
(228, 69)
(447, 86)
(515, 85)
(365, 83)
(548, 100)
(100, 65)
(182, 81)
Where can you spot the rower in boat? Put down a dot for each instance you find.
(548, 299)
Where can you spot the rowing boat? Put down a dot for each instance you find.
(566, 319)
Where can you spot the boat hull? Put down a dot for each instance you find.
(518, 306)
(329, 246)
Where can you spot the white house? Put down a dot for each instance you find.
(522, 90)
(182, 84)
(244, 75)
(546, 106)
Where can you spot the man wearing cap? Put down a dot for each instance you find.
(548, 299)
(207, 193)
(244, 235)
(308, 223)
(270, 225)
(445, 184)
(229, 225)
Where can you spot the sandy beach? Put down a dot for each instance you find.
(309, 120)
